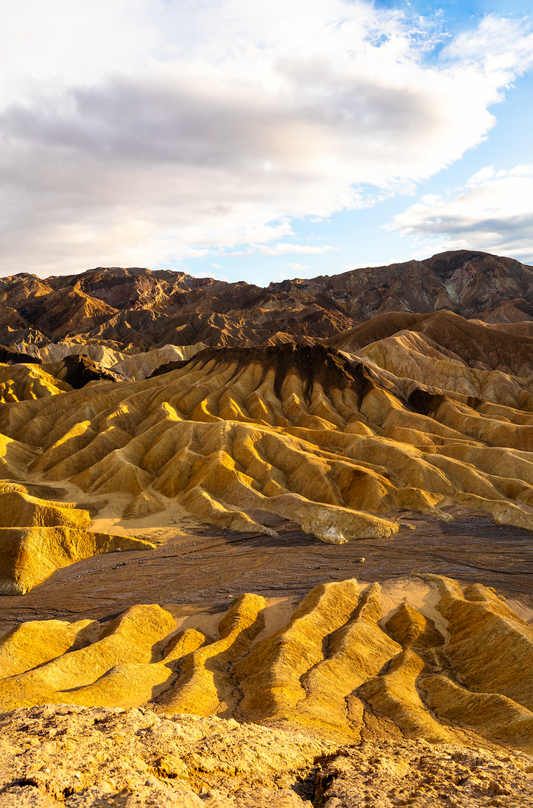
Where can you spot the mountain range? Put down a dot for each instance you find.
(134, 310)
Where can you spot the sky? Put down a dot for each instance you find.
(253, 140)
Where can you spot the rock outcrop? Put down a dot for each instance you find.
(79, 757)
(77, 371)
(37, 537)
(72, 756)
(403, 773)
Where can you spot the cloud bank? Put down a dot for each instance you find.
(144, 131)
(493, 213)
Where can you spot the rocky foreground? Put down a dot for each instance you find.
(103, 758)
(348, 698)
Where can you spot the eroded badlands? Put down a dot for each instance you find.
(333, 441)
(333, 664)
(264, 702)
(364, 416)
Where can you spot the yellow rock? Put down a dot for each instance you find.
(331, 669)
(502, 665)
(270, 676)
(205, 687)
(495, 717)
(338, 443)
(38, 537)
(31, 644)
(395, 695)
(30, 555)
(143, 505)
(356, 652)
(127, 639)
(23, 382)
(19, 509)
(14, 458)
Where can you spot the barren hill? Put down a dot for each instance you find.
(406, 412)
(340, 443)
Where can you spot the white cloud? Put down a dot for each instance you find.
(296, 267)
(143, 131)
(493, 213)
(283, 248)
(480, 176)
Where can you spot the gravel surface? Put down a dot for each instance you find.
(211, 568)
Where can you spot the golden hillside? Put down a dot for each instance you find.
(348, 660)
(340, 443)
(309, 415)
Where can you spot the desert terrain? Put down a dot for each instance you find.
(268, 546)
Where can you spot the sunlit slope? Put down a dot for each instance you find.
(443, 334)
(329, 441)
(25, 382)
(38, 537)
(426, 668)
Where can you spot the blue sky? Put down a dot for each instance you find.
(260, 140)
(360, 236)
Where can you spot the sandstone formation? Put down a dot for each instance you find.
(444, 336)
(23, 382)
(337, 668)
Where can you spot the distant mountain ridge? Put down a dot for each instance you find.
(134, 309)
